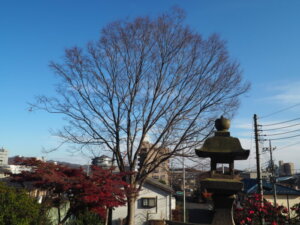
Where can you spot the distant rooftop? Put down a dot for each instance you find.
(250, 187)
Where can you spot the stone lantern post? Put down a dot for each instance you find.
(223, 149)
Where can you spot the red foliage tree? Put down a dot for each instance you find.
(98, 191)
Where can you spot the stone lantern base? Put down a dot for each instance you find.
(223, 195)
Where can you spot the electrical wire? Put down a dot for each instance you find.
(274, 139)
(293, 125)
(282, 133)
(279, 111)
(287, 146)
(273, 124)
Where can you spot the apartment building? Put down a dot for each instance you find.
(3, 157)
(161, 173)
(286, 169)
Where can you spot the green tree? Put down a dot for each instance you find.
(18, 208)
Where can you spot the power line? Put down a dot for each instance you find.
(279, 111)
(285, 137)
(287, 146)
(272, 124)
(282, 133)
(293, 125)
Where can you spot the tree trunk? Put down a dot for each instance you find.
(58, 215)
(131, 210)
(106, 217)
(110, 216)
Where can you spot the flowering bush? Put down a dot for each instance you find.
(251, 210)
(295, 214)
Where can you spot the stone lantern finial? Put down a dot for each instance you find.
(222, 124)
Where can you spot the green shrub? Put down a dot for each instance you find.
(18, 208)
(85, 218)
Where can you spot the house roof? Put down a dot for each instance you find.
(249, 184)
(157, 184)
(250, 187)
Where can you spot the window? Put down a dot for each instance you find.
(148, 202)
(155, 177)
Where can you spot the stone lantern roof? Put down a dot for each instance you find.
(222, 148)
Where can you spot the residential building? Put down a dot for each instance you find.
(12, 167)
(154, 202)
(103, 161)
(192, 181)
(253, 174)
(161, 173)
(286, 169)
(3, 157)
(286, 196)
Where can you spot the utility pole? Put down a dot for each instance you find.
(171, 172)
(273, 178)
(183, 165)
(258, 169)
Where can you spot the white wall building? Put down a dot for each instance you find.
(16, 169)
(154, 203)
(102, 161)
(3, 157)
(6, 168)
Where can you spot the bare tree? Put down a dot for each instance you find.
(147, 77)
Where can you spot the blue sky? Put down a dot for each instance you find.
(262, 35)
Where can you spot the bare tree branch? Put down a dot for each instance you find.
(146, 77)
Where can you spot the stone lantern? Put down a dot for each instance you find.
(223, 149)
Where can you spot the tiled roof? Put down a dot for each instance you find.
(159, 185)
(248, 184)
(250, 187)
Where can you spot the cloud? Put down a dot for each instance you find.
(242, 123)
(286, 93)
(273, 97)
(246, 126)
